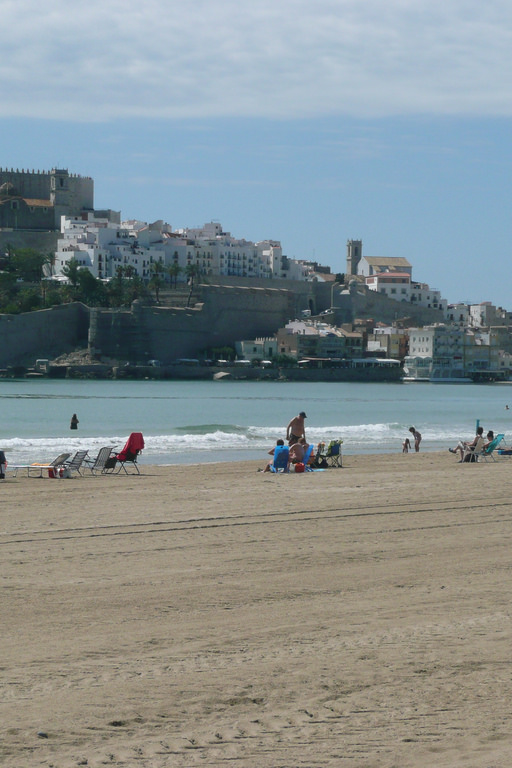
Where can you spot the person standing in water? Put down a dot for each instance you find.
(74, 422)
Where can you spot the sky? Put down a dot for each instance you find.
(307, 122)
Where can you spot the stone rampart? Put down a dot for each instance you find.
(45, 242)
(43, 334)
(226, 315)
(360, 303)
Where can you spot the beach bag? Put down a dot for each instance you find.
(299, 467)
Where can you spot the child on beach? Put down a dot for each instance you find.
(417, 438)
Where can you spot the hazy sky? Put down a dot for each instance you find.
(305, 122)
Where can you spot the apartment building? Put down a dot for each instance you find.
(451, 352)
(302, 339)
(102, 245)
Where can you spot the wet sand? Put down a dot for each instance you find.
(212, 615)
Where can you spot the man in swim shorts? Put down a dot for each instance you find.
(296, 428)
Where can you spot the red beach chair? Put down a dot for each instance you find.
(132, 449)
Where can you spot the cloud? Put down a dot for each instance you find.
(94, 61)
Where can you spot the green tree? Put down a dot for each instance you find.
(71, 270)
(28, 263)
(8, 290)
(29, 299)
(192, 272)
(90, 290)
(173, 271)
(156, 282)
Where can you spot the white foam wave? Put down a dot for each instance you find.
(359, 438)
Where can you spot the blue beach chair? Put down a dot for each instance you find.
(488, 453)
(307, 457)
(281, 459)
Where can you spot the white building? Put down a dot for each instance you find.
(400, 287)
(102, 246)
(450, 352)
(257, 349)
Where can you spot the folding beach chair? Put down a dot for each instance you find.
(488, 453)
(98, 465)
(133, 448)
(76, 462)
(333, 455)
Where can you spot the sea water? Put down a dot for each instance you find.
(208, 421)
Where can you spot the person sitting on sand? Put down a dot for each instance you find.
(312, 457)
(476, 445)
(280, 447)
(296, 451)
(296, 428)
(417, 438)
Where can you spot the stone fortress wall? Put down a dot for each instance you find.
(44, 334)
(224, 314)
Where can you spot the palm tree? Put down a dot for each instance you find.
(156, 282)
(70, 270)
(192, 271)
(173, 271)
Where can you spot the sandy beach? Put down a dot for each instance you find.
(213, 615)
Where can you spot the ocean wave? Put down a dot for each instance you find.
(221, 438)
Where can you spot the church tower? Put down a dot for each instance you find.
(354, 253)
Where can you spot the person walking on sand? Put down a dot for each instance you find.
(296, 428)
(417, 438)
(74, 422)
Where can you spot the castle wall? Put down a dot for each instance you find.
(18, 215)
(46, 242)
(226, 315)
(312, 295)
(67, 194)
(31, 184)
(44, 334)
(364, 304)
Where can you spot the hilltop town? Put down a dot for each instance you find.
(146, 294)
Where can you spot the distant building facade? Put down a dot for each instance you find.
(392, 277)
(451, 352)
(310, 338)
(103, 244)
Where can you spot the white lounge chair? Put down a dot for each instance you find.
(36, 470)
